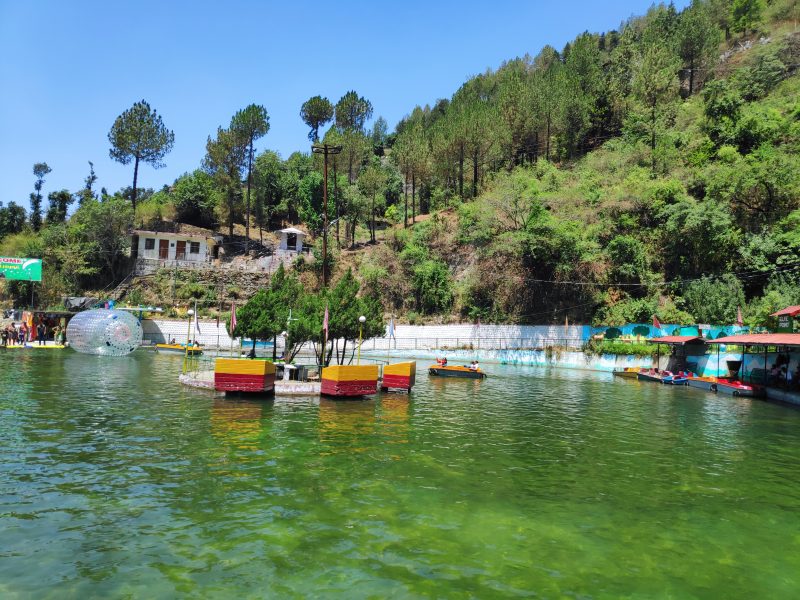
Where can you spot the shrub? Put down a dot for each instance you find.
(597, 347)
(433, 288)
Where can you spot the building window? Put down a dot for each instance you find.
(149, 244)
(194, 247)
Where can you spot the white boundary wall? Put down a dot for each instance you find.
(411, 337)
(161, 331)
(407, 337)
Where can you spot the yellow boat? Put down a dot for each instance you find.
(627, 372)
(456, 371)
(179, 349)
(31, 345)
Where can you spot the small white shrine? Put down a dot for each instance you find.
(292, 239)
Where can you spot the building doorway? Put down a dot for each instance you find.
(180, 250)
(163, 249)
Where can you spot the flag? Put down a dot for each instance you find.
(391, 328)
(656, 324)
(233, 317)
(739, 320)
(325, 322)
(196, 320)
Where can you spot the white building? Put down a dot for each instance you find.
(190, 246)
(292, 239)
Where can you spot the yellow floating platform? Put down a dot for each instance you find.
(244, 366)
(399, 375)
(350, 380)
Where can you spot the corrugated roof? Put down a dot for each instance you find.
(792, 311)
(292, 230)
(760, 339)
(677, 339)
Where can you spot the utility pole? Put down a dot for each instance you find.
(325, 150)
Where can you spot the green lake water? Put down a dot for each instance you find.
(117, 482)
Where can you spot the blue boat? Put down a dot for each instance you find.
(676, 379)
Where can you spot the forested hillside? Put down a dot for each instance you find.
(652, 169)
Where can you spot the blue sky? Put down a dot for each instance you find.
(67, 69)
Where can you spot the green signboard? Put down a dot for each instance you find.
(785, 324)
(23, 269)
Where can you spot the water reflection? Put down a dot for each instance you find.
(394, 410)
(345, 425)
(237, 423)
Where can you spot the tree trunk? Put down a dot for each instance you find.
(547, 141)
(413, 198)
(653, 138)
(405, 191)
(372, 223)
(247, 216)
(475, 173)
(230, 212)
(336, 204)
(350, 158)
(133, 193)
(275, 348)
(461, 170)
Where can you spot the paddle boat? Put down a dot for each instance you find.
(679, 378)
(737, 388)
(652, 375)
(627, 372)
(708, 384)
(455, 371)
(179, 349)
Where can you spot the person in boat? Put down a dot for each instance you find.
(442, 362)
(473, 366)
(172, 342)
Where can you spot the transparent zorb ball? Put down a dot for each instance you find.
(104, 332)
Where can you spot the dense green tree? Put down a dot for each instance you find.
(654, 87)
(59, 205)
(195, 198)
(746, 15)
(270, 185)
(224, 158)
(104, 225)
(87, 191)
(250, 124)
(713, 300)
(12, 219)
(379, 135)
(372, 183)
(316, 112)
(698, 41)
(40, 171)
(139, 135)
(352, 112)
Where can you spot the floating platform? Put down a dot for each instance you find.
(179, 349)
(399, 376)
(244, 375)
(349, 380)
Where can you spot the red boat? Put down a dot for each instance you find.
(737, 388)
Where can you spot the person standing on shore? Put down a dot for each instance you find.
(41, 333)
(22, 333)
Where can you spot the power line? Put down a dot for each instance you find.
(741, 275)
